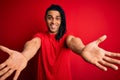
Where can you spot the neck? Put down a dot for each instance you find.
(52, 33)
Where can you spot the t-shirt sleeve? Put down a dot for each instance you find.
(37, 35)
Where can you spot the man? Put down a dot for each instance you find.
(54, 48)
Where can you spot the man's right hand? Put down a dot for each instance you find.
(16, 62)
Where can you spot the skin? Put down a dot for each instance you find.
(53, 20)
(91, 52)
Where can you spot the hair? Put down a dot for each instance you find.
(62, 28)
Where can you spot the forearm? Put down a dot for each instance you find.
(31, 47)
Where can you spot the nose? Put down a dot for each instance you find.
(53, 21)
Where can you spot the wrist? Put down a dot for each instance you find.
(26, 56)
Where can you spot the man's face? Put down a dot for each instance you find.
(53, 20)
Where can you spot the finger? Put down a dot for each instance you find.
(101, 39)
(3, 71)
(111, 60)
(7, 74)
(2, 65)
(16, 75)
(5, 49)
(109, 65)
(101, 67)
(112, 54)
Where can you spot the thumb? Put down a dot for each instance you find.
(101, 39)
(5, 49)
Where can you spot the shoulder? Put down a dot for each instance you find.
(40, 35)
(36, 39)
(69, 38)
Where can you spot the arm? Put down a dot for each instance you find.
(17, 61)
(92, 53)
(31, 48)
(75, 44)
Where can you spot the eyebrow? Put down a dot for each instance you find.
(51, 15)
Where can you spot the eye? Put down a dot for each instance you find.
(58, 18)
(49, 17)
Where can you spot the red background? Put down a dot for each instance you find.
(20, 19)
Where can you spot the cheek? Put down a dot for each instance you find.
(59, 22)
(48, 22)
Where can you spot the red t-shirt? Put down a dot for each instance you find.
(54, 58)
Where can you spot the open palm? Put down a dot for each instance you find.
(16, 62)
(100, 57)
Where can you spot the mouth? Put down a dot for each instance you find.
(53, 26)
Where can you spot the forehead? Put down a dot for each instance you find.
(53, 13)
